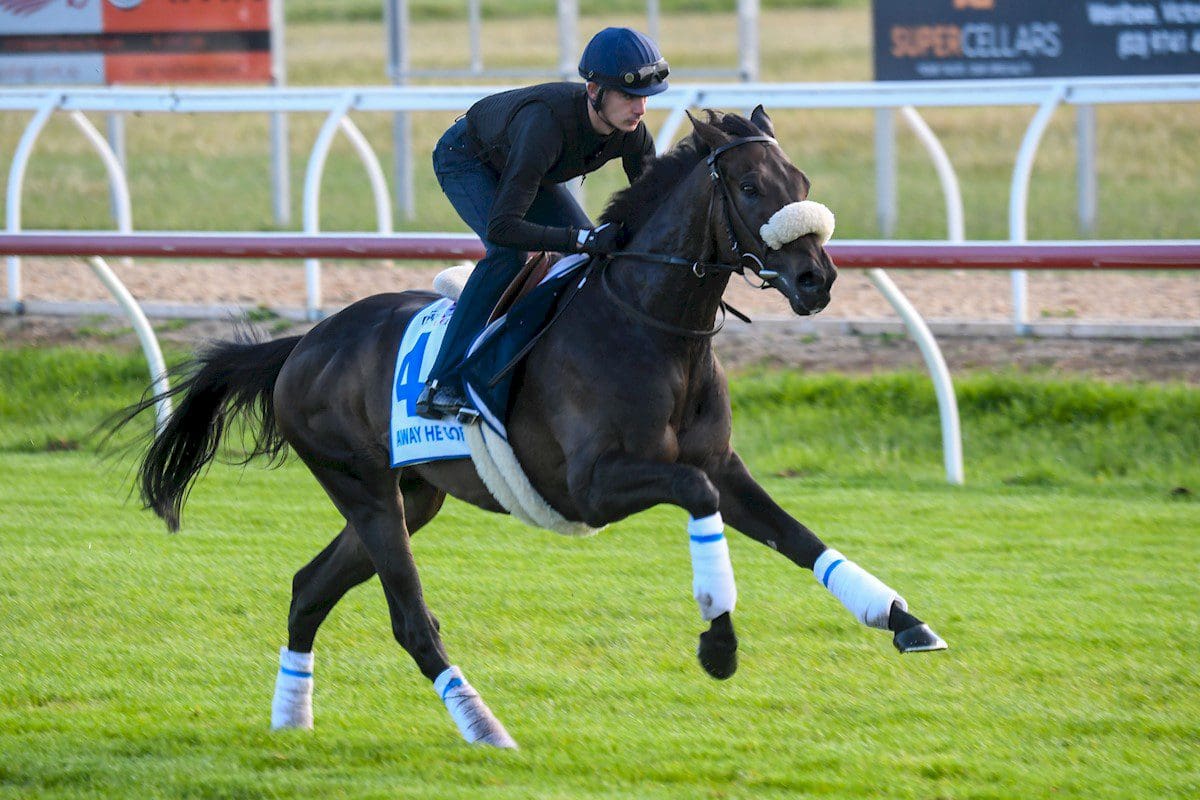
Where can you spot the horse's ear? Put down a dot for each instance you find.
(711, 135)
(759, 117)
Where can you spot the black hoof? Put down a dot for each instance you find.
(718, 654)
(918, 639)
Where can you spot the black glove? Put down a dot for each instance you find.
(608, 238)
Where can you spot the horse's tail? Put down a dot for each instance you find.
(224, 380)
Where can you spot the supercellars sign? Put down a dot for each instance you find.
(134, 41)
(950, 39)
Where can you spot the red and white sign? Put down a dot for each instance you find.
(134, 41)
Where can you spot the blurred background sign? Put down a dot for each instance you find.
(951, 39)
(135, 41)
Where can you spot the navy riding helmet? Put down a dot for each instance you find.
(622, 58)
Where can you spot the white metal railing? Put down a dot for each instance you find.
(339, 102)
(894, 94)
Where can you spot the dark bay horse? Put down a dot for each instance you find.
(621, 406)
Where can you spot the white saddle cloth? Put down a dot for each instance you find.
(415, 440)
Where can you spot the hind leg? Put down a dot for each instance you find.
(321, 583)
(344, 564)
(371, 503)
(316, 589)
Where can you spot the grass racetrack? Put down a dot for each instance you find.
(140, 664)
(137, 664)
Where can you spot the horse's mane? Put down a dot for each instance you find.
(634, 205)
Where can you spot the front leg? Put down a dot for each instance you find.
(616, 485)
(749, 508)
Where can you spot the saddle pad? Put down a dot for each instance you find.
(505, 478)
(416, 440)
(505, 336)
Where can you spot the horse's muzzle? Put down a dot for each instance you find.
(805, 306)
(808, 292)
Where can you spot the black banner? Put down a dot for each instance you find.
(951, 39)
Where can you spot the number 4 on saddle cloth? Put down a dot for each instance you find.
(487, 371)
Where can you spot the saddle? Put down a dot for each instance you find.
(528, 307)
(535, 270)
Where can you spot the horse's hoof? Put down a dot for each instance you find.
(918, 639)
(303, 725)
(499, 739)
(718, 655)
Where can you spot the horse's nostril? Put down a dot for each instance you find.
(808, 281)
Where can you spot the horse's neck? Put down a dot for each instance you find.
(674, 293)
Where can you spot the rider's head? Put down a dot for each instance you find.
(628, 63)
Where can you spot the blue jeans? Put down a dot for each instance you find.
(471, 187)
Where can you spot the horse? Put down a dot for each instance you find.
(620, 406)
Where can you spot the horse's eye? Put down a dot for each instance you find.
(749, 189)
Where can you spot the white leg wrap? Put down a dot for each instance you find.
(474, 719)
(712, 572)
(868, 598)
(292, 706)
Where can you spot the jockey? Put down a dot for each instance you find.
(503, 164)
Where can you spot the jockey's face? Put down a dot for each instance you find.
(618, 111)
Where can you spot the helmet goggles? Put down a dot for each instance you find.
(645, 76)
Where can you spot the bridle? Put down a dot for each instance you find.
(730, 209)
(701, 268)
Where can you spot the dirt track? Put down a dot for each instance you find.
(777, 338)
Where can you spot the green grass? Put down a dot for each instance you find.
(51, 397)
(422, 10)
(1018, 429)
(140, 664)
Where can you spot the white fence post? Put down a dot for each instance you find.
(1085, 166)
(312, 200)
(16, 181)
(943, 387)
(145, 334)
(1018, 198)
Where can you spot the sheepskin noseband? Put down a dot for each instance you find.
(795, 220)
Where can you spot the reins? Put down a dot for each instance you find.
(654, 322)
(699, 267)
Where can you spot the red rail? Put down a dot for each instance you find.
(450, 247)
(417, 246)
(1026, 256)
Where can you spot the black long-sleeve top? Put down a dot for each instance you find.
(541, 135)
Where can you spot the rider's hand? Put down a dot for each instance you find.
(608, 238)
